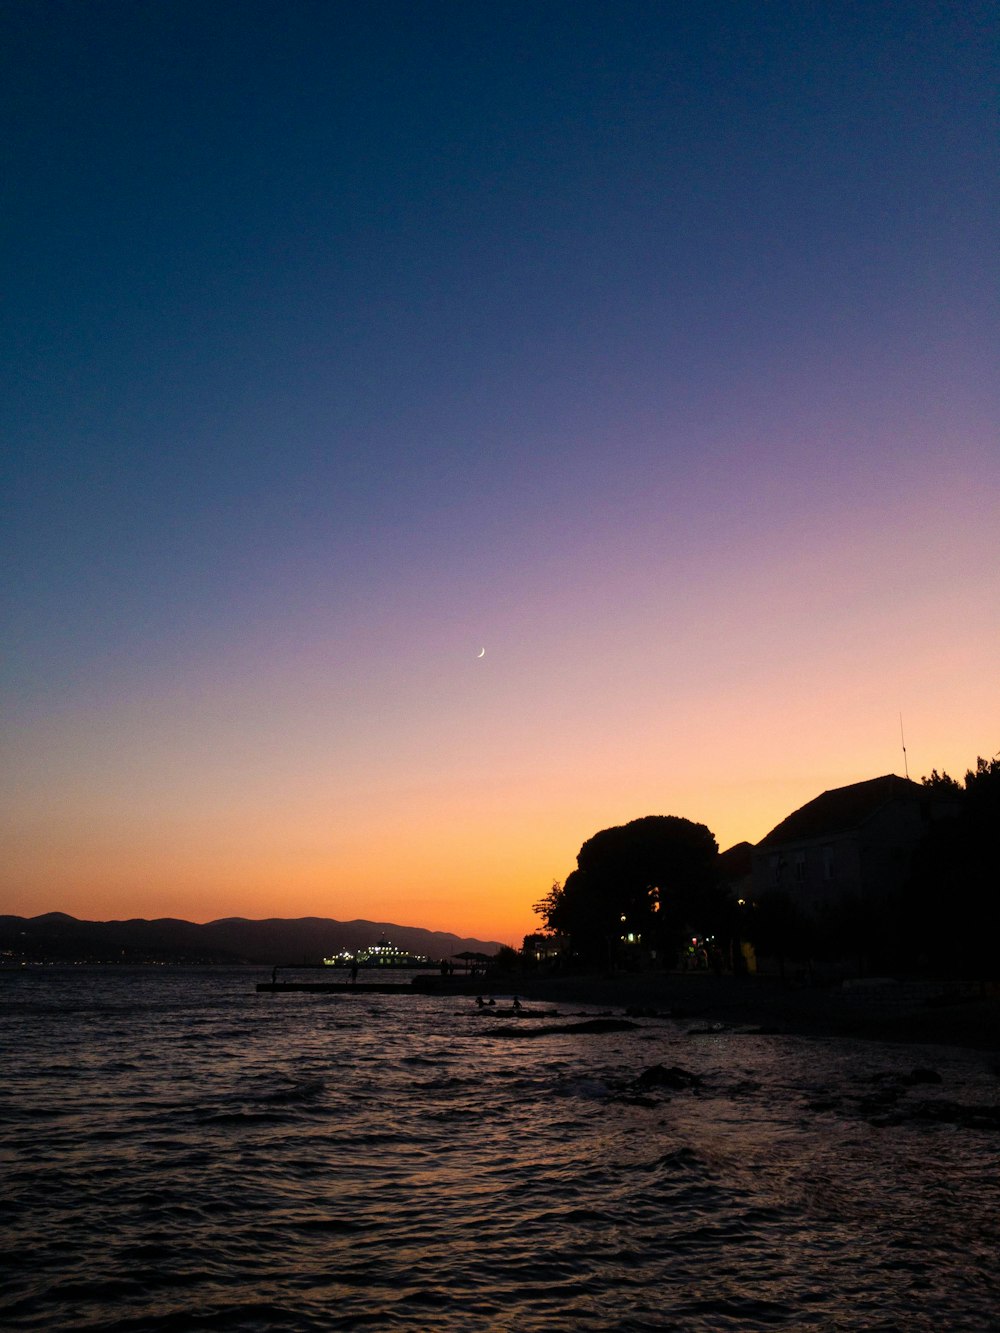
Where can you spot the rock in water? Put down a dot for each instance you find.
(675, 1078)
(916, 1076)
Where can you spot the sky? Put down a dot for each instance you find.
(650, 347)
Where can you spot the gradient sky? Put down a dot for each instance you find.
(648, 346)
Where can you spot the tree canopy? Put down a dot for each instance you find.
(650, 879)
(952, 904)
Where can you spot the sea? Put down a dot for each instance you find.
(180, 1152)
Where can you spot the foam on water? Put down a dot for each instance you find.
(183, 1153)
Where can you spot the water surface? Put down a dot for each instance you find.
(182, 1153)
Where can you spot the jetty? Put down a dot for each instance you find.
(337, 987)
(428, 984)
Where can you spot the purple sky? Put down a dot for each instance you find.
(650, 347)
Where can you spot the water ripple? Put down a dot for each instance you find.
(216, 1162)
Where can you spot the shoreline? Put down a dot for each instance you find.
(879, 1010)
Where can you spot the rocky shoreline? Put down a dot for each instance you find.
(882, 1009)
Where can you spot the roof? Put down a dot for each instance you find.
(735, 861)
(842, 809)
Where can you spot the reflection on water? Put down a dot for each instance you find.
(181, 1152)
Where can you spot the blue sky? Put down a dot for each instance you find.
(650, 346)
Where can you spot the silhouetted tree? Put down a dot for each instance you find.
(949, 916)
(653, 878)
(506, 959)
(941, 782)
(982, 786)
(547, 905)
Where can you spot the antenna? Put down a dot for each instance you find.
(902, 739)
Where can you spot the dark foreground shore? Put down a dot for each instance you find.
(878, 1010)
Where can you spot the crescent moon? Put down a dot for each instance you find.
(481, 653)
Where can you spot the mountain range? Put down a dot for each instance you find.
(56, 937)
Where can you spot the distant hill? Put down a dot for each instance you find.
(56, 937)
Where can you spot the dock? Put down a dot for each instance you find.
(428, 984)
(338, 987)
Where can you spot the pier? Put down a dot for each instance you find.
(338, 987)
(428, 984)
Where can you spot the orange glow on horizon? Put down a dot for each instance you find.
(396, 497)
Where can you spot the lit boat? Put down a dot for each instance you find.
(382, 954)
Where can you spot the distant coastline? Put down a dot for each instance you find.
(292, 942)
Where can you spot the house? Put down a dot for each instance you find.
(736, 870)
(851, 842)
(545, 948)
